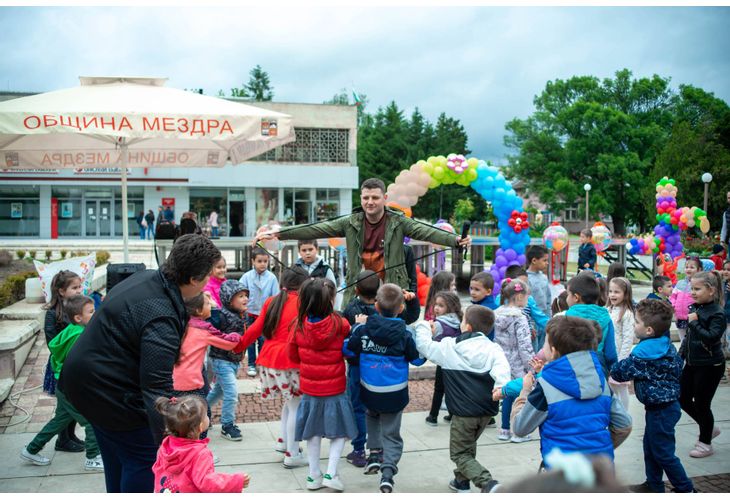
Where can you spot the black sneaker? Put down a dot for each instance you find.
(231, 432)
(490, 486)
(447, 418)
(459, 486)
(433, 421)
(374, 461)
(386, 484)
(69, 446)
(641, 488)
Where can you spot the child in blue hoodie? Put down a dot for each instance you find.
(225, 364)
(571, 403)
(481, 288)
(385, 347)
(655, 367)
(583, 293)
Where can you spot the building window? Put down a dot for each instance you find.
(20, 211)
(203, 201)
(297, 206)
(135, 204)
(327, 204)
(267, 206)
(571, 213)
(69, 210)
(312, 145)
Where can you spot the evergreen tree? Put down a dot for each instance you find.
(258, 86)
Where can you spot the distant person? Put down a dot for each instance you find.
(150, 218)
(124, 361)
(142, 224)
(169, 214)
(586, 251)
(213, 223)
(160, 217)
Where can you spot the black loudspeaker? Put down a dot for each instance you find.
(116, 273)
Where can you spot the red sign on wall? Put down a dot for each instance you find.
(54, 218)
(168, 202)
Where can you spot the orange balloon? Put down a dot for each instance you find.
(336, 242)
(407, 211)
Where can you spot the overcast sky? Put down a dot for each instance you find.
(481, 65)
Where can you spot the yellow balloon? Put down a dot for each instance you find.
(473, 162)
(704, 225)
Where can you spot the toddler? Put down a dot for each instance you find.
(78, 309)
(621, 309)
(325, 410)
(681, 297)
(560, 304)
(261, 284)
(512, 334)
(217, 277)
(184, 463)
(442, 281)
(447, 309)
(586, 251)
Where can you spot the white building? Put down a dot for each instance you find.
(304, 181)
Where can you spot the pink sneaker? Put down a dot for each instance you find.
(701, 450)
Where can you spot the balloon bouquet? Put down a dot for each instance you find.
(670, 222)
(556, 238)
(486, 180)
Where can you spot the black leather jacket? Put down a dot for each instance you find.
(702, 346)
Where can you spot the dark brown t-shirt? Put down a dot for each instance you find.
(373, 252)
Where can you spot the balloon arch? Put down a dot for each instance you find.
(414, 182)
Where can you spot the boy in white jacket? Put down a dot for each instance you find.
(472, 365)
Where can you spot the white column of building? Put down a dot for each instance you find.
(45, 211)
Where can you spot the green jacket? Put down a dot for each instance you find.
(397, 227)
(61, 345)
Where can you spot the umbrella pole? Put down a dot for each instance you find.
(125, 219)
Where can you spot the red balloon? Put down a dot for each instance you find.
(511, 222)
(523, 215)
(518, 229)
(515, 214)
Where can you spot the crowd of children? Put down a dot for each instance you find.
(561, 361)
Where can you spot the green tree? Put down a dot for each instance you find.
(607, 133)
(258, 86)
(699, 143)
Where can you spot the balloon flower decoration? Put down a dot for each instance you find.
(601, 237)
(414, 182)
(556, 238)
(670, 222)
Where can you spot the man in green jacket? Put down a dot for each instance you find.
(374, 237)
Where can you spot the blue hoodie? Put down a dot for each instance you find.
(230, 321)
(655, 367)
(385, 347)
(607, 347)
(573, 407)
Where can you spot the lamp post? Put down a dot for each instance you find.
(706, 178)
(587, 187)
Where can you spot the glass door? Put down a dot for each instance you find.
(91, 216)
(104, 209)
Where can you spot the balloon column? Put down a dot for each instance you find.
(670, 221)
(556, 238)
(486, 180)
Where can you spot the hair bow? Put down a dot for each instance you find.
(518, 287)
(173, 400)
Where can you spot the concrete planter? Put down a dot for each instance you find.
(33, 293)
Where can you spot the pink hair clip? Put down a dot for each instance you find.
(173, 400)
(518, 287)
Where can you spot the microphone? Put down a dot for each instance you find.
(464, 233)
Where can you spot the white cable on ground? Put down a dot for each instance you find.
(14, 403)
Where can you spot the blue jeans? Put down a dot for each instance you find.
(506, 411)
(142, 232)
(539, 341)
(252, 351)
(150, 232)
(353, 390)
(225, 387)
(128, 459)
(659, 450)
(214, 232)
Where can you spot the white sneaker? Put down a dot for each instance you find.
(35, 459)
(280, 446)
(504, 435)
(314, 483)
(517, 439)
(251, 371)
(701, 450)
(94, 464)
(297, 460)
(333, 482)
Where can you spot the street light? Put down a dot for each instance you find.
(587, 187)
(706, 178)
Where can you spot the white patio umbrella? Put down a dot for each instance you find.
(129, 122)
